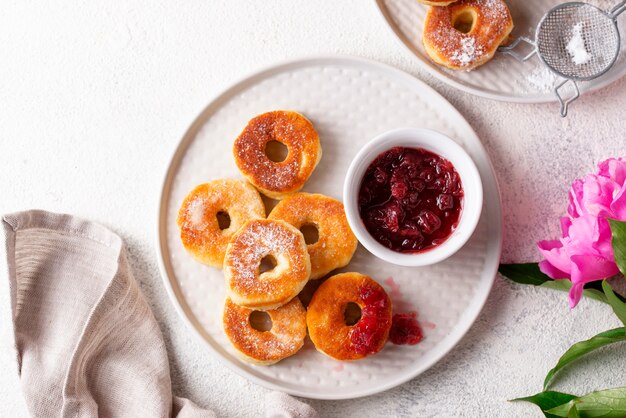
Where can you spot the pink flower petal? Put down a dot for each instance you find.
(575, 293)
(575, 208)
(582, 234)
(618, 207)
(598, 194)
(613, 168)
(565, 225)
(555, 254)
(551, 271)
(603, 245)
(590, 268)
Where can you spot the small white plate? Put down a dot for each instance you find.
(503, 78)
(439, 144)
(349, 101)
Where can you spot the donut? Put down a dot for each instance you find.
(436, 2)
(264, 348)
(336, 243)
(257, 241)
(467, 33)
(326, 321)
(200, 231)
(278, 179)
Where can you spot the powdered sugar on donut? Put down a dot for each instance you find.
(256, 240)
(465, 50)
(196, 210)
(284, 339)
(292, 130)
(468, 52)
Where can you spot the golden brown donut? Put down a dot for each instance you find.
(256, 240)
(326, 322)
(198, 217)
(467, 33)
(263, 348)
(336, 244)
(278, 179)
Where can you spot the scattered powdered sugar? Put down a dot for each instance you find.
(576, 46)
(468, 53)
(542, 79)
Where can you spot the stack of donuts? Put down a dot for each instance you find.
(465, 34)
(266, 259)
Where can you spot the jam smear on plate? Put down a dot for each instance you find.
(405, 330)
(410, 199)
(367, 334)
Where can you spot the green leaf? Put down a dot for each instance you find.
(616, 303)
(529, 273)
(548, 400)
(608, 403)
(618, 229)
(573, 411)
(565, 285)
(581, 348)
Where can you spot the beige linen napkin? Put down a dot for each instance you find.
(87, 342)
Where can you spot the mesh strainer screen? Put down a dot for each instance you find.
(578, 20)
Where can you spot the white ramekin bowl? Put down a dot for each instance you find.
(434, 142)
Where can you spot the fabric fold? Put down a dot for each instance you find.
(87, 342)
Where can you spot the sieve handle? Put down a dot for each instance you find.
(566, 102)
(618, 9)
(510, 50)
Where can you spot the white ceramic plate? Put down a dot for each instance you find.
(503, 78)
(349, 101)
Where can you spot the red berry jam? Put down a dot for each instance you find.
(368, 334)
(410, 199)
(405, 330)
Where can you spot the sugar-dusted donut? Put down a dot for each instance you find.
(278, 179)
(200, 231)
(467, 33)
(264, 348)
(336, 243)
(325, 317)
(259, 240)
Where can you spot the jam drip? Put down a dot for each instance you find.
(405, 330)
(410, 199)
(367, 336)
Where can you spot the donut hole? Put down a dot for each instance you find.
(223, 219)
(465, 20)
(311, 233)
(352, 314)
(260, 321)
(276, 151)
(268, 263)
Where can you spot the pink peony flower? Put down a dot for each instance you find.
(584, 253)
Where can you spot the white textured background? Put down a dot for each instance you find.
(94, 97)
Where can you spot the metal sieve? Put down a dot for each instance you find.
(576, 41)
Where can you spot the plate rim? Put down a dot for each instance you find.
(470, 315)
(434, 71)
